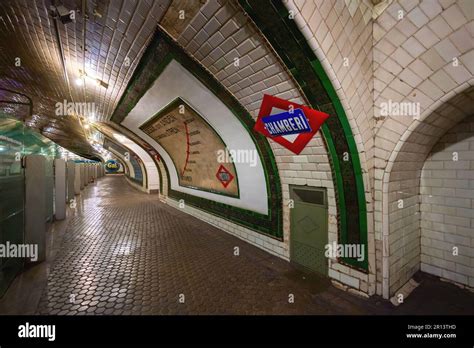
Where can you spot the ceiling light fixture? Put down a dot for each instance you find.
(65, 16)
(98, 81)
(119, 137)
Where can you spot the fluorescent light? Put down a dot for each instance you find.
(98, 81)
(119, 137)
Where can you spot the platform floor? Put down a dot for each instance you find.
(124, 252)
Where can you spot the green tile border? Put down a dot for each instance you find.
(161, 50)
(272, 18)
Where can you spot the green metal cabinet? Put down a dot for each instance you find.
(309, 228)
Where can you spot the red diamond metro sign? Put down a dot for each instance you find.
(224, 176)
(289, 124)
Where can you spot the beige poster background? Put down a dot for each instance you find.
(193, 146)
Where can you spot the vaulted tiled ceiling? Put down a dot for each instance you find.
(106, 41)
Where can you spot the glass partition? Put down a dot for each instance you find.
(17, 141)
(12, 182)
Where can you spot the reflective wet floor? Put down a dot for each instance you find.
(125, 252)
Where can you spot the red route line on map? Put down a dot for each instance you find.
(187, 148)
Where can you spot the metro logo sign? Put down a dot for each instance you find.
(286, 123)
(224, 176)
(293, 127)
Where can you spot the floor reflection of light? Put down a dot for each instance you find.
(124, 249)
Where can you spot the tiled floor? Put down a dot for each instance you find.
(125, 252)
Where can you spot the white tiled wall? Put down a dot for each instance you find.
(415, 46)
(414, 53)
(447, 206)
(417, 51)
(400, 246)
(338, 32)
(219, 33)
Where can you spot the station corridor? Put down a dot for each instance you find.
(236, 157)
(138, 256)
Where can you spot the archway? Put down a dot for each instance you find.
(401, 189)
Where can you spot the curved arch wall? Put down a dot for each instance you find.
(446, 206)
(413, 60)
(136, 172)
(231, 34)
(127, 167)
(175, 81)
(303, 59)
(312, 167)
(258, 204)
(401, 188)
(149, 167)
(289, 43)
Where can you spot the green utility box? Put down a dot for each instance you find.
(309, 228)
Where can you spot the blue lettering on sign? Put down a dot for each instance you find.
(286, 123)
